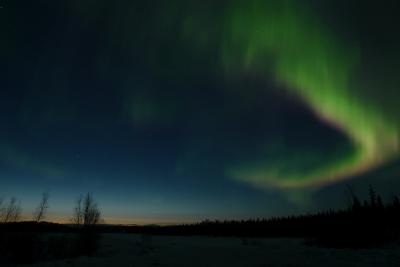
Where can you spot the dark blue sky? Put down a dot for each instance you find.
(119, 100)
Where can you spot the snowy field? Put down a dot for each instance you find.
(136, 250)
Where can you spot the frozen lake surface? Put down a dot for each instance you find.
(135, 250)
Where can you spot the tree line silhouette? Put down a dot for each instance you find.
(363, 224)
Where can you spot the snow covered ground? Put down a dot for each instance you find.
(136, 250)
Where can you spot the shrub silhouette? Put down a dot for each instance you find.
(86, 212)
(86, 217)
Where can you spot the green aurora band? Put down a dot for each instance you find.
(316, 67)
(285, 41)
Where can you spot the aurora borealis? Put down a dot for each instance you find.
(312, 64)
(182, 110)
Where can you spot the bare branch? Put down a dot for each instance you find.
(86, 211)
(41, 210)
(2, 210)
(12, 212)
(78, 213)
(91, 211)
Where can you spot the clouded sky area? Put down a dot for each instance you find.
(178, 111)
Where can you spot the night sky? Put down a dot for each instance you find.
(178, 111)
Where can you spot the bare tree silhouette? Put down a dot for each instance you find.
(87, 215)
(12, 212)
(2, 210)
(91, 211)
(41, 210)
(86, 211)
(77, 217)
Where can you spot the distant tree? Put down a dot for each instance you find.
(372, 197)
(379, 203)
(355, 202)
(41, 210)
(12, 212)
(396, 202)
(86, 211)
